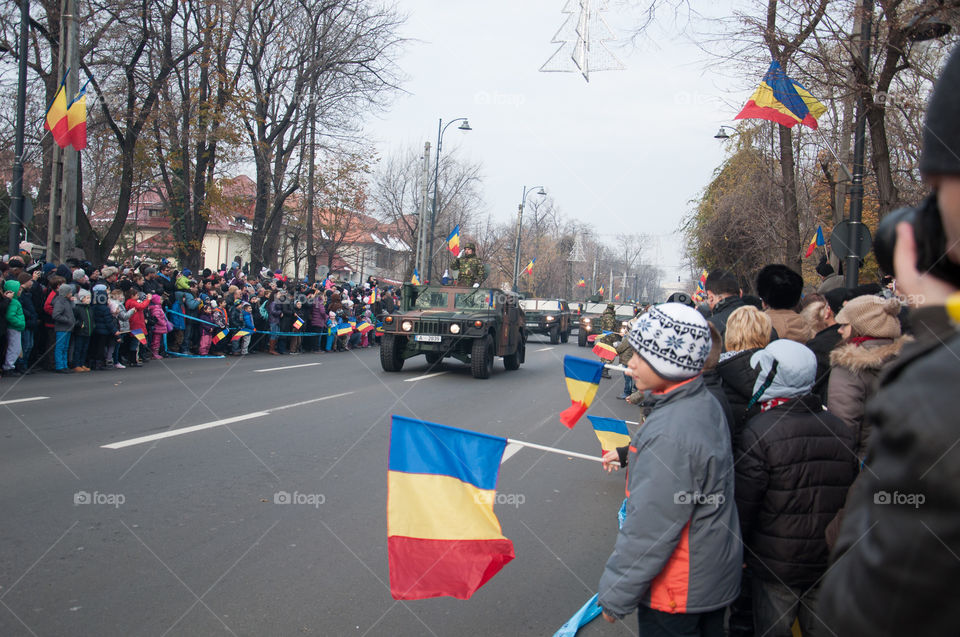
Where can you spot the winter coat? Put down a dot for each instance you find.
(103, 320)
(83, 313)
(137, 321)
(235, 316)
(275, 311)
(178, 322)
(318, 314)
(794, 465)
(122, 314)
(722, 311)
(248, 322)
(790, 325)
(63, 318)
(853, 376)
(625, 352)
(156, 311)
(14, 313)
(895, 570)
(31, 320)
(715, 386)
(679, 549)
(737, 378)
(48, 309)
(822, 344)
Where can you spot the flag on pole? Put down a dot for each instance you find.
(529, 268)
(782, 100)
(600, 291)
(616, 297)
(219, 336)
(240, 334)
(77, 119)
(604, 351)
(612, 433)
(453, 241)
(415, 279)
(56, 119)
(139, 335)
(581, 283)
(298, 323)
(817, 240)
(583, 380)
(373, 295)
(443, 537)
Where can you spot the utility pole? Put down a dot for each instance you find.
(852, 259)
(421, 261)
(16, 195)
(610, 287)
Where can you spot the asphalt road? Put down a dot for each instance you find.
(182, 535)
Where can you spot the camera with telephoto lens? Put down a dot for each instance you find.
(929, 237)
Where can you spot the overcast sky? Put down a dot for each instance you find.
(626, 151)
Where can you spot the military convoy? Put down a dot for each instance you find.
(551, 317)
(590, 320)
(472, 325)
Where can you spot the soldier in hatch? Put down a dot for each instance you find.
(608, 323)
(470, 266)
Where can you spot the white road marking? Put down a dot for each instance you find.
(413, 380)
(511, 449)
(543, 349)
(216, 423)
(23, 400)
(274, 369)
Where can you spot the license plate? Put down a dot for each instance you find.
(427, 338)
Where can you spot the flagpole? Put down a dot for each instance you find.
(562, 452)
(843, 167)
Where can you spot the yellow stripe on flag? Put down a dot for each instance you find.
(439, 507)
(581, 391)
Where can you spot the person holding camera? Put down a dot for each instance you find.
(896, 565)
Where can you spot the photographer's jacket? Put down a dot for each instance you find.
(679, 549)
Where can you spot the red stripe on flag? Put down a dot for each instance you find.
(456, 568)
(572, 414)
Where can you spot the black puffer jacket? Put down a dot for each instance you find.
(895, 567)
(794, 465)
(722, 312)
(824, 342)
(738, 379)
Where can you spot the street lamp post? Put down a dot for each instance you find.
(516, 257)
(441, 129)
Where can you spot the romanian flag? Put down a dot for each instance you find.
(240, 334)
(443, 537)
(604, 351)
(583, 380)
(612, 433)
(415, 279)
(453, 241)
(782, 100)
(616, 297)
(298, 323)
(139, 335)
(77, 120)
(600, 291)
(220, 336)
(529, 268)
(364, 327)
(817, 240)
(581, 283)
(373, 296)
(344, 328)
(56, 120)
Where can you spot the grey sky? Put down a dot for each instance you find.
(626, 152)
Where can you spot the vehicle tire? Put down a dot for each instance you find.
(434, 357)
(582, 337)
(565, 336)
(513, 361)
(554, 335)
(481, 357)
(391, 352)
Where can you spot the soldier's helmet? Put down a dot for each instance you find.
(470, 246)
(611, 306)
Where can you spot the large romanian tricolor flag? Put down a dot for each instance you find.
(453, 241)
(782, 100)
(529, 268)
(817, 240)
(56, 120)
(583, 380)
(139, 335)
(415, 279)
(612, 433)
(77, 119)
(581, 283)
(443, 537)
(604, 351)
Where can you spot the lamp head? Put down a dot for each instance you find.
(721, 134)
(465, 125)
(542, 192)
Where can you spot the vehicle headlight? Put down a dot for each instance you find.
(587, 321)
(455, 328)
(549, 318)
(407, 326)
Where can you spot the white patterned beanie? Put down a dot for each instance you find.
(673, 339)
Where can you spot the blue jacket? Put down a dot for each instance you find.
(248, 322)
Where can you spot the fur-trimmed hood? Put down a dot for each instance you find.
(870, 355)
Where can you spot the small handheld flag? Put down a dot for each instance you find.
(782, 100)
(364, 327)
(240, 334)
(344, 328)
(415, 279)
(817, 240)
(453, 241)
(139, 335)
(604, 351)
(612, 433)
(219, 336)
(529, 268)
(298, 323)
(443, 537)
(583, 381)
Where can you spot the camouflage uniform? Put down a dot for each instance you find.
(471, 268)
(608, 323)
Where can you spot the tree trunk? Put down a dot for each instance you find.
(791, 216)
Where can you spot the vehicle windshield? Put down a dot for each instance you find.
(540, 305)
(430, 298)
(594, 308)
(624, 311)
(479, 299)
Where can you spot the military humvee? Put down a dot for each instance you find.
(472, 325)
(548, 316)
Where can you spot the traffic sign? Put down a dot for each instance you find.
(840, 240)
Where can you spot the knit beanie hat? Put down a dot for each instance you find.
(673, 339)
(65, 290)
(79, 275)
(108, 272)
(872, 316)
(82, 294)
(941, 133)
(64, 271)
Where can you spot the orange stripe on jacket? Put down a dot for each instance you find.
(670, 588)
